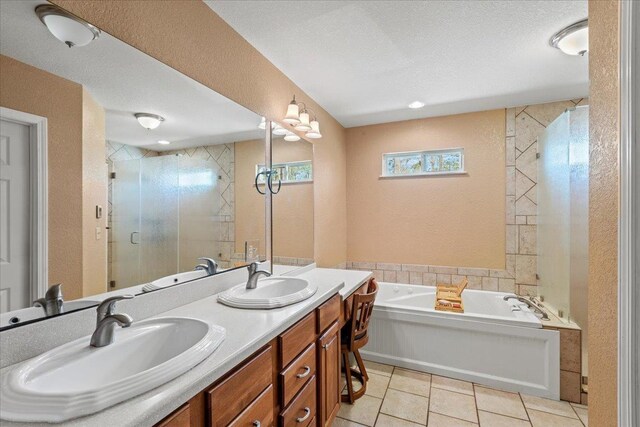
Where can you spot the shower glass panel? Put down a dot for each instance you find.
(159, 215)
(167, 212)
(562, 230)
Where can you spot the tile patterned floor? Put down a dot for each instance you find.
(398, 397)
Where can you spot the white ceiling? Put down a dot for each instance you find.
(365, 61)
(124, 81)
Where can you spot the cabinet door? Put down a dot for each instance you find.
(329, 375)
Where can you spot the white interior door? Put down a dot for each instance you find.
(14, 216)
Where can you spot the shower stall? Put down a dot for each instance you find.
(166, 212)
(563, 213)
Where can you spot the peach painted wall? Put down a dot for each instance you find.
(29, 89)
(94, 192)
(211, 52)
(292, 207)
(454, 220)
(603, 210)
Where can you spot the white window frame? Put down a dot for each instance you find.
(462, 170)
(286, 164)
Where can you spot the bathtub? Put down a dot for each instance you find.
(496, 343)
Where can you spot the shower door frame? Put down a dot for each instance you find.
(629, 222)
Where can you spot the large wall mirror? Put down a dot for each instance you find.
(99, 200)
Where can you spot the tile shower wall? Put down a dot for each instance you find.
(222, 157)
(523, 125)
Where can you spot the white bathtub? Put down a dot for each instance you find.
(494, 342)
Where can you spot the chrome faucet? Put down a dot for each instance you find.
(254, 274)
(52, 303)
(529, 304)
(211, 266)
(107, 319)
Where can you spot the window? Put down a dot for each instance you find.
(289, 172)
(430, 162)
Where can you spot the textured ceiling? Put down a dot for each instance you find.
(124, 80)
(364, 61)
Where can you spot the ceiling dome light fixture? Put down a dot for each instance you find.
(149, 121)
(164, 142)
(416, 104)
(67, 28)
(572, 40)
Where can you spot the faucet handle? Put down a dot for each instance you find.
(212, 265)
(107, 307)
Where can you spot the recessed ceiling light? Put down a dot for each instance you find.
(416, 104)
(149, 121)
(164, 142)
(572, 40)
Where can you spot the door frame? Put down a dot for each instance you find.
(38, 189)
(629, 222)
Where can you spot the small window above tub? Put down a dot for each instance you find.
(423, 163)
(288, 173)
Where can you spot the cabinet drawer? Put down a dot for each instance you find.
(180, 418)
(238, 391)
(328, 312)
(297, 374)
(297, 338)
(302, 410)
(259, 413)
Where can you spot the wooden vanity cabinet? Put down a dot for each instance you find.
(292, 381)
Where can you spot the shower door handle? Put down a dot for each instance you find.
(133, 239)
(266, 179)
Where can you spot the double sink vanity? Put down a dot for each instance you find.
(199, 363)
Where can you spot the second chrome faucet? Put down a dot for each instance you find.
(107, 320)
(254, 275)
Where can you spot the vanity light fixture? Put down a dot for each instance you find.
(279, 130)
(67, 28)
(149, 121)
(298, 116)
(291, 137)
(416, 104)
(164, 142)
(572, 40)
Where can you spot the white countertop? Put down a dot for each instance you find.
(247, 331)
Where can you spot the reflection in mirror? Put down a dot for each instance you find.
(292, 166)
(98, 199)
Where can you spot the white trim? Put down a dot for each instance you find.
(39, 197)
(629, 227)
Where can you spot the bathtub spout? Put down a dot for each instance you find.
(532, 305)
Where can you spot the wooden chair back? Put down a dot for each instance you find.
(361, 315)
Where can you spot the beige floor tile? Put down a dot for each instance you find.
(557, 407)
(583, 413)
(411, 381)
(438, 420)
(363, 411)
(339, 422)
(452, 385)
(545, 419)
(406, 406)
(378, 368)
(387, 421)
(376, 385)
(489, 419)
(453, 404)
(500, 402)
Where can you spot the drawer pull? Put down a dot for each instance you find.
(306, 415)
(256, 423)
(307, 371)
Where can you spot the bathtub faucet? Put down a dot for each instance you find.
(529, 304)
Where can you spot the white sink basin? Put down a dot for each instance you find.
(174, 279)
(270, 293)
(75, 379)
